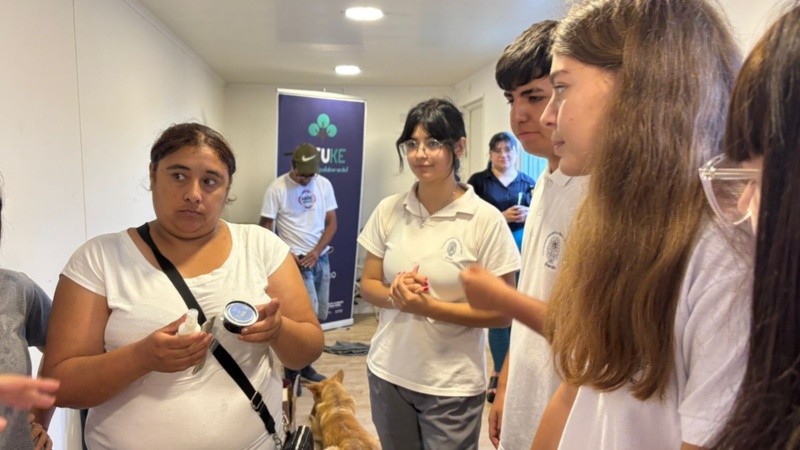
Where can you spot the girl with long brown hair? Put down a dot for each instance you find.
(649, 317)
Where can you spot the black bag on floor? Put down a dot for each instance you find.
(301, 439)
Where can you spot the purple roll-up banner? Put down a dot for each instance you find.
(335, 124)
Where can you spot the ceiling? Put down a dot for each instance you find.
(299, 42)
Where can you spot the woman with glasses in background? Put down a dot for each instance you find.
(426, 365)
(503, 186)
(764, 132)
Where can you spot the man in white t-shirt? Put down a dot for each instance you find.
(528, 378)
(302, 205)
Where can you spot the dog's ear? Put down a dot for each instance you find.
(339, 376)
(313, 387)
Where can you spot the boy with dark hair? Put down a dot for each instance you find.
(528, 378)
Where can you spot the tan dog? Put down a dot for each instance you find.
(333, 419)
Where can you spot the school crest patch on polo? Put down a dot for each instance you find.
(553, 247)
(452, 249)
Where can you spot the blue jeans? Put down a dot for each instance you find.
(318, 281)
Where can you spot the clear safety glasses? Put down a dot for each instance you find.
(729, 188)
(432, 146)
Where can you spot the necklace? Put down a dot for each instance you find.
(424, 221)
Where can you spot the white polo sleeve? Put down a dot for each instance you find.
(497, 251)
(716, 332)
(375, 232)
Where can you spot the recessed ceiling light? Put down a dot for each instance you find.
(363, 13)
(348, 70)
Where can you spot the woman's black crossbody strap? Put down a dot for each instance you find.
(225, 359)
(172, 273)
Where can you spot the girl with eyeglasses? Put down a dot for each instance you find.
(764, 133)
(426, 365)
(648, 319)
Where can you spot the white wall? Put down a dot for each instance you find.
(749, 19)
(251, 124)
(41, 154)
(482, 86)
(86, 87)
(135, 79)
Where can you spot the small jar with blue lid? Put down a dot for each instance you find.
(237, 315)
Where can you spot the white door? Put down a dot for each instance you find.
(477, 156)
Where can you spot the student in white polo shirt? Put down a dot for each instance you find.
(528, 378)
(427, 365)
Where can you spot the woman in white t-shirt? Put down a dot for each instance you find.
(427, 366)
(113, 340)
(650, 315)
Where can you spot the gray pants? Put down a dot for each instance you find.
(408, 420)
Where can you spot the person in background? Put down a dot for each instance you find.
(503, 186)
(426, 364)
(508, 190)
(113, 340)
(302, 205)
(24, 312)
(528, 378)
(648, 319)
(762, 165)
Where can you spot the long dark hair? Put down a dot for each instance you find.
(764, 120)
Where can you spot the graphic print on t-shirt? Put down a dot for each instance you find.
(553, 246)
(306, 199)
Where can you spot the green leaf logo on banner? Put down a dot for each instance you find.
(323, 127)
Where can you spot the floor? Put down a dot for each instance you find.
(355, 374)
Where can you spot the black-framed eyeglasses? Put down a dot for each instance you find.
(432, 146)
